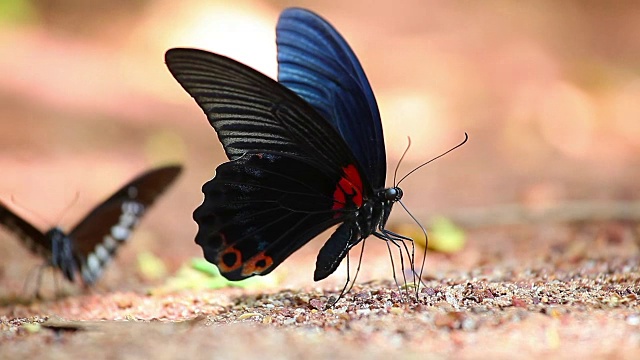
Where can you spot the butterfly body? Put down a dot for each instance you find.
(305, 152)
(61, 253)
(91, 244)
(369, 219)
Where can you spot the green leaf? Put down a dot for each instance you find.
(16, 11)
(445, 236)
(200, 274)
(151, 267)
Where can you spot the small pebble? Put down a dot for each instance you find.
(363, 311)
(633, 320)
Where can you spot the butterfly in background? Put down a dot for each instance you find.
(305, 153)
(89, 246)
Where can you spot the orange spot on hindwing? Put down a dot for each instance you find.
(229, 260)
(258, 264)
(348, 190)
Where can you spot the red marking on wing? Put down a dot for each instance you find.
(348, 189)
(257, 264)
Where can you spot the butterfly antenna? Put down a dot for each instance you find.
(426, 245)
(30, 212)
(66, 209)
(466, 137)
(395, 173)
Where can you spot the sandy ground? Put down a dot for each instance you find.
(545, 190)
(562, 301)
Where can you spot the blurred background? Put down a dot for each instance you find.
(547, 91)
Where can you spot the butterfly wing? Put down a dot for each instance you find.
(97, 237)
(33, 238)
(316, 63)
(253, 113)
(261, 208)
(290, 177)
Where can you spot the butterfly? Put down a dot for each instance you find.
(305, 152)
(91, 244)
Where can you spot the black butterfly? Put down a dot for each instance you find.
(94, 241)
(306, 153)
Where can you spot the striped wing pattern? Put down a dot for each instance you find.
(316, 63)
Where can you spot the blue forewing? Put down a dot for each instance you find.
(316, 63)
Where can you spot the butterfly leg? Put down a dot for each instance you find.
(358, 268)
(400, 242)
(25, 287)
(393, 266)
(344, 288)
(57, 288)
(391, 241)
(426, 242)
(38, 271)
(349, 283)
(405, 239)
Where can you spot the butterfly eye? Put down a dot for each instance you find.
(393, 194)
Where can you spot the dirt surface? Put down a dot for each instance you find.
(563, 300)
(577, 315)
(545, 192)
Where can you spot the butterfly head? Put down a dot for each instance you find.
(393, 194)
(62, 252)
